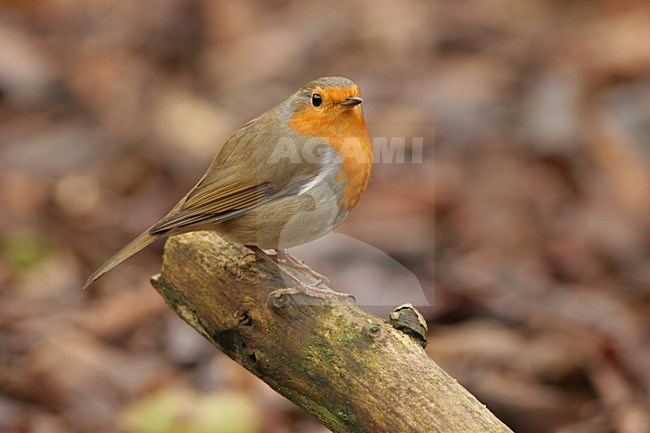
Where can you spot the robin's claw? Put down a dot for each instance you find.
(279, 298)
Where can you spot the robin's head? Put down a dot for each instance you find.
(326, 96)
(332, 93)
(324, 103)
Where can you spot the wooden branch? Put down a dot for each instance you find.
(351, 370)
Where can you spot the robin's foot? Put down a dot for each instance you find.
(313, 292)
(296, 263)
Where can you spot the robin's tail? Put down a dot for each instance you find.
(136, 245)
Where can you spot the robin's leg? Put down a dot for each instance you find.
(296, 263)
(255, 253)
(308, 289)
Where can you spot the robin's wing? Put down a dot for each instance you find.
(210, 203)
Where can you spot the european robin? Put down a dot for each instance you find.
(285, 178)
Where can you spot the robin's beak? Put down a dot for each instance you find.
(351, 101)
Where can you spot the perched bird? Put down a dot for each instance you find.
(285, 178)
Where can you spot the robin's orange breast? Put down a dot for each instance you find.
(347, 134)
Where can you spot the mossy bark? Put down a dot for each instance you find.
(350, 369)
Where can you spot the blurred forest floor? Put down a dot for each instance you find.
(525, 227)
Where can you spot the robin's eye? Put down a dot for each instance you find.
(316, 100)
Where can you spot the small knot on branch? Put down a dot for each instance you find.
(408, 320)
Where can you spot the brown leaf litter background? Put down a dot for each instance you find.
(526, 226)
